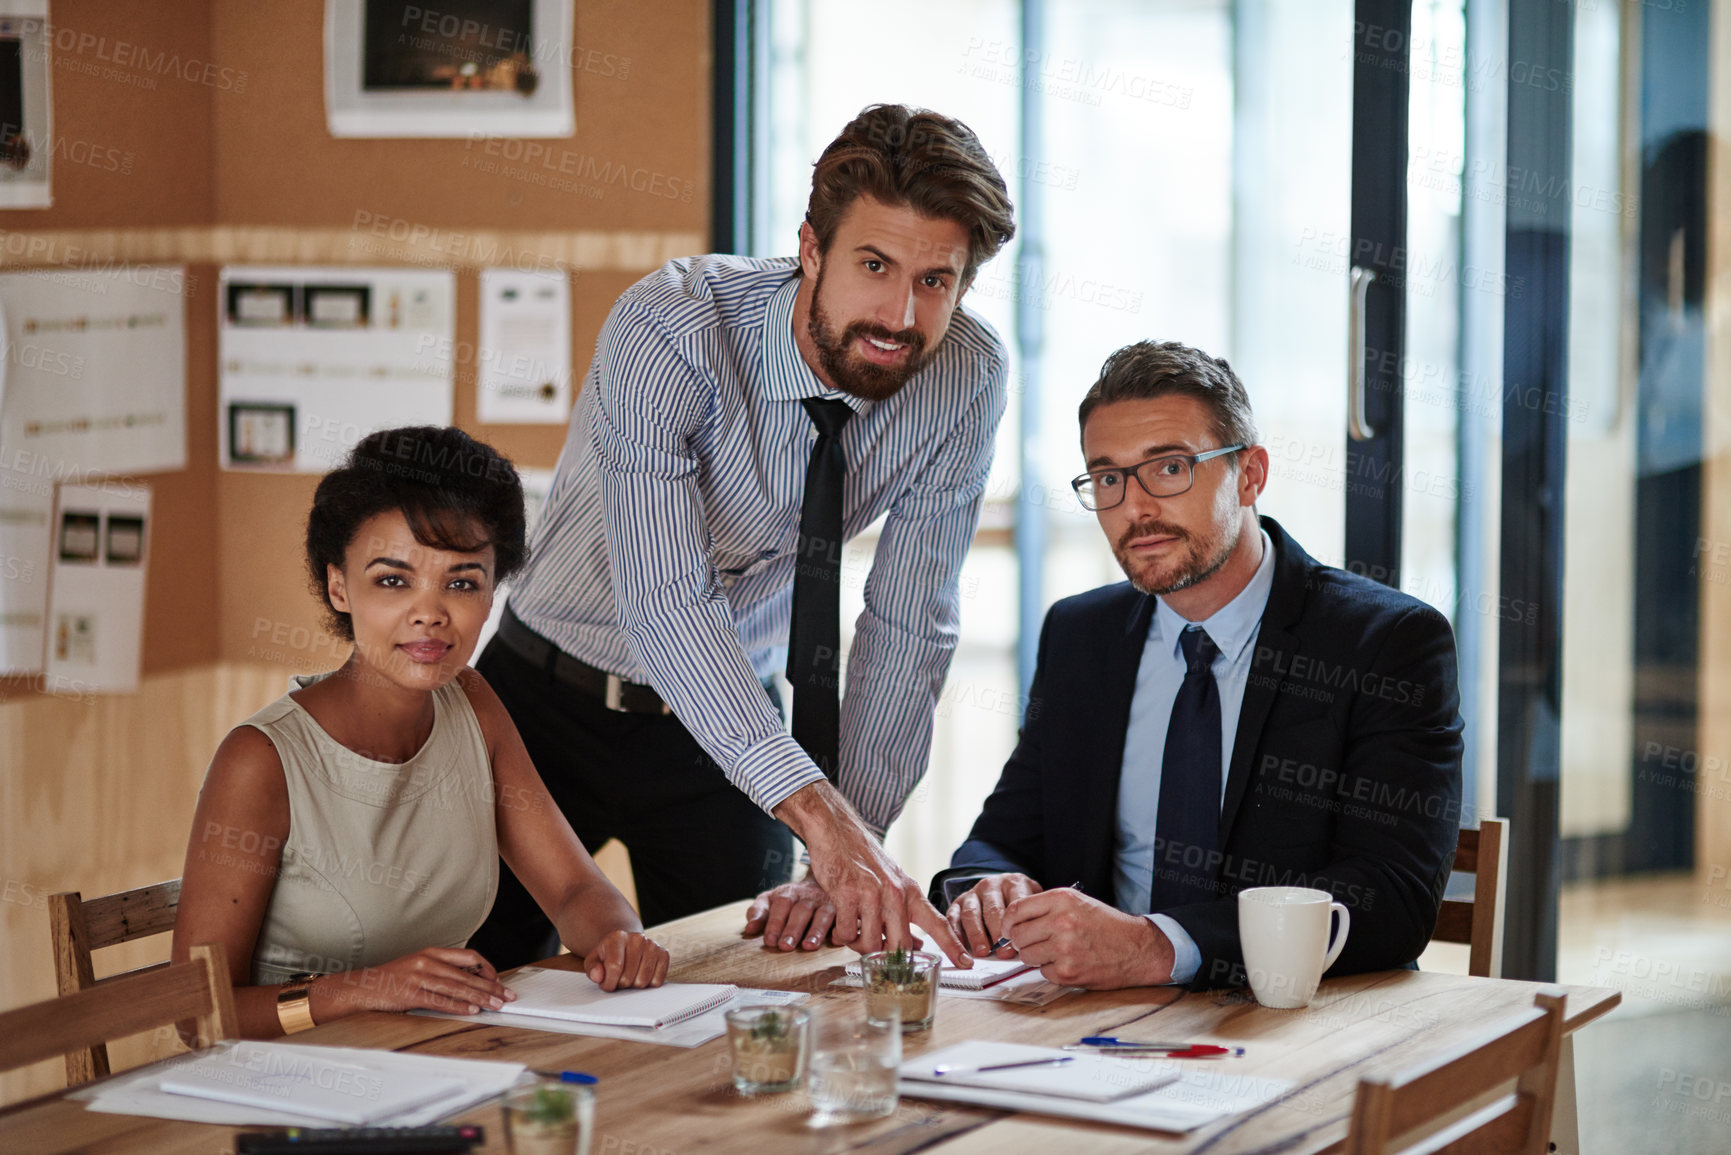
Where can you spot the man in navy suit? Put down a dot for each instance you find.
(1235, 715)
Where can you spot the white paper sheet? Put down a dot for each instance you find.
(98, 540)
(254, 1074)
(26, 508)
(1206, 1091)
(1084, 1078)
(523, 366)
(139, 1092)
(26, 505)
(313, 359)
(95, 372)
(693, 1032)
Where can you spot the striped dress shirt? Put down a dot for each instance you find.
(665, 552)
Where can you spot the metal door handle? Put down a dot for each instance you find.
(1356, 426)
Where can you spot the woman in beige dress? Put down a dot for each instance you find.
(348, 836)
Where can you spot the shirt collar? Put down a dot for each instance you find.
(786, 376)
(1234, 624)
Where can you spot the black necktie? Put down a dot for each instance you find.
(1187, 831)
(813, 666)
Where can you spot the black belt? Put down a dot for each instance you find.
(615, 692)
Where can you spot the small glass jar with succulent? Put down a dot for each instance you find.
(549, 1117)
(904, 981)
(769, 1047)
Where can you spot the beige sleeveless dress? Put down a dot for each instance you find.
(382, 858)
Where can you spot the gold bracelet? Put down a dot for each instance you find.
(294, 1003)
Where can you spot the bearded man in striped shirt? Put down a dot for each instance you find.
(741, 420)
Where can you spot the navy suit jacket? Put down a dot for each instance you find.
(1345, 772)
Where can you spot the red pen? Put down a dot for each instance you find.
(1107, 1044)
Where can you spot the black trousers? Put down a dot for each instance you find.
(695, 840)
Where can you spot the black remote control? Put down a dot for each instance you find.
(361, 1140)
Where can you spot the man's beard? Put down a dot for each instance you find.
(852, 373)
(1197, 563)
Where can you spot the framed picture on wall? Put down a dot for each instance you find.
(125, 539)
(261, 306)
(26, 136)
(80, 535)
(455, 69)
(261, 433)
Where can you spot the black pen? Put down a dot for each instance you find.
(1005, 941)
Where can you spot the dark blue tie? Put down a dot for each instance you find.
(1187, 831)
(814, 630)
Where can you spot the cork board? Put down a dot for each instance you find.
(640, 75)
(207, 124)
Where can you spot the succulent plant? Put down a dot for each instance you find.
(771, 1027)
(898, 969)
(549, 1106)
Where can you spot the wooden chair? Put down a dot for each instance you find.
(1442, 1107)
(77, 927)
(125, 1005)
(1479, 923)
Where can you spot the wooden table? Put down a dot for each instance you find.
(658, 1100)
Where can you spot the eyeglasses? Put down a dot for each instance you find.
(1166, 476)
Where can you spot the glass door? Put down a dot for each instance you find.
(1644, 823)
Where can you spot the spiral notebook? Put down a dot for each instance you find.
(572, 995)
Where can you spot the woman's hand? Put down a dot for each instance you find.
(626, 958)
(433, 979)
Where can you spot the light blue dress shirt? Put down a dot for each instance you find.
(1233, 627)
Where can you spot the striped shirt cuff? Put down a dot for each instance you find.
(773, 769)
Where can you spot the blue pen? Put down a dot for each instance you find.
(1005, 941)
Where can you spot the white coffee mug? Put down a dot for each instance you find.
(1284, 933)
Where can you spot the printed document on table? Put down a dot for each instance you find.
(259, 1075)
(1086, 1078)
(140, 1092)
(1203, 1093)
